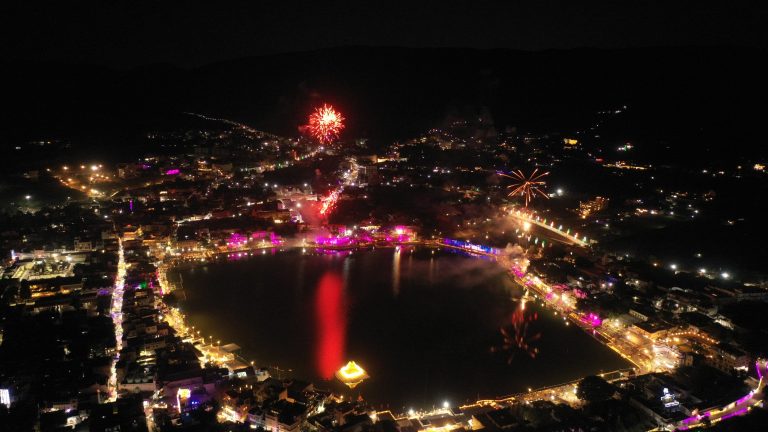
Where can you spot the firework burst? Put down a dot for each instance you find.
(325, 124)
(528, 187)
(516, 335)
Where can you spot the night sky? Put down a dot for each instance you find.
(186, 33)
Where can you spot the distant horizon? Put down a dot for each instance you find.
(189, 67)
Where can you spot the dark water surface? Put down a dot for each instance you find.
(423, 325)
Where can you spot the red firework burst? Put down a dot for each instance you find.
(516, 337)
(325, 124)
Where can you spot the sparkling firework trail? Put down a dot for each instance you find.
(329, 202)
(527, 187)
(325, 124)
(349, 178)
(515, 336)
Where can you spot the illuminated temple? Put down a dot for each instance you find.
(351, 374)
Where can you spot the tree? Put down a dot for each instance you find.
(24, 292)
(582, 262)
(594, 389)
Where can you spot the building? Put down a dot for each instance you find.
(743, 293)
(281, 416)
(643, 313)
(124, 415)
(368, 175)
(728, 358)
(653, 330)
(83, 245)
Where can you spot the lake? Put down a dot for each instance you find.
(424, 323)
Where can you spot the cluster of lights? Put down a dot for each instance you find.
(690, 334)
(592, 319)
(240, 241)
(703, 271)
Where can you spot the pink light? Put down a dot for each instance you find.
(744, 398)
(400, 234)
(236, 240)
(173, 171)
(734, 414)
(592, 319)
(401, 230)
(274, 239)
(579, 293)
(334, 241)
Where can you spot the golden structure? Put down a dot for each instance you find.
(351, 374)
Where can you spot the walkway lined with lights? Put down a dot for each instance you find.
(564, 392)
(587, 321)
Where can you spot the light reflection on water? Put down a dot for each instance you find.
(330, 325)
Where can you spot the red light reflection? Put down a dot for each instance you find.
(331, 325)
